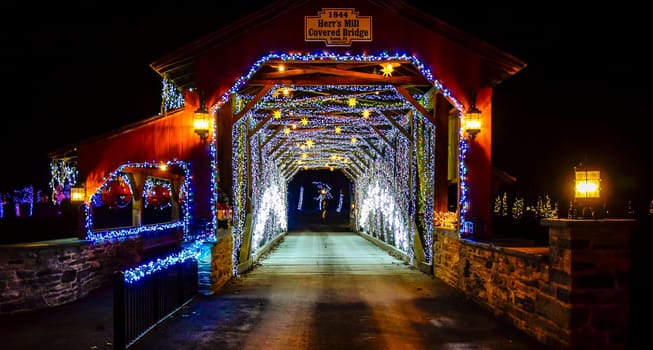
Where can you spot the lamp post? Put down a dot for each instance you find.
(587, 190)
(77, 198)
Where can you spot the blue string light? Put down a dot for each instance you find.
(382, 188)
(122, 233)
(136, 274)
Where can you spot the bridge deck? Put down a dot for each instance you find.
(334, 290)
(315, 290)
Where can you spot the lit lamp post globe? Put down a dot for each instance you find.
(587, 190)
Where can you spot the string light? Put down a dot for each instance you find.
(381, 185)
(136, 274)
(117, 234)
(171, 97)
(300, 201)
(63, 174)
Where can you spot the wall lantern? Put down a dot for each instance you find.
(472, 119)
(77, 194)
(202, 120)
(587, 189)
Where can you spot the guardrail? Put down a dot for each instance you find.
(147, 295)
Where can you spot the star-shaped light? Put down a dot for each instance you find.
(366, 113)
(353, 140)
(338, 130)
(277, 114)
(304, 155)
(387, 69)
(304, 121)
(285, 91)
(286, 130)
(309, 143)
(351, 102)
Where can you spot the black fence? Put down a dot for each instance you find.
(140, 306)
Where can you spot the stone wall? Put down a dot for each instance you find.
(591, 272)
(572, 294)
(50, 273)
(216, 265)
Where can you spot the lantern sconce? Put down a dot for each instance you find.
(201, 120)
(472, 118)
(587, 189)
(77, 194)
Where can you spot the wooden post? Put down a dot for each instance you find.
(441, 153)
(224, 151)
(138, 183)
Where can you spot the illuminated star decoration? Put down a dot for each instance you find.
(286, 130)
(366, 113)
(285, 91)
(351, 102)
(277, 114)
(304, 121)
(387, 69)
(309, 143)
(338, 130)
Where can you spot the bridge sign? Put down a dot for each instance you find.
(338, 27)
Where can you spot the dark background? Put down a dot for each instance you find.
(74, 71)
(77, 71)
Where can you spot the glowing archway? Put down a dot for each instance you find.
(362, 114)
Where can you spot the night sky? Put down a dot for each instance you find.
(79, 72)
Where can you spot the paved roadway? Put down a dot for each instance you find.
(333, 290)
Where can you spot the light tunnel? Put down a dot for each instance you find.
(370, 119)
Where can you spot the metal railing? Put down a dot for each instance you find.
(141, 305)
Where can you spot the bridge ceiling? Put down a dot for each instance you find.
(330, 114)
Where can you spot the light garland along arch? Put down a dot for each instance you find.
(122, 233)
(240, 129)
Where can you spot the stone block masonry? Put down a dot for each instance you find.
(216, 264)
(573, 294)
(50, 273)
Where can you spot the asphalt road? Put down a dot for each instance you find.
(333, 290)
